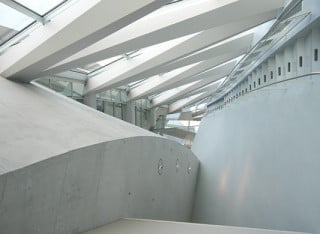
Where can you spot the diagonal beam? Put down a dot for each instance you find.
(176, 94)
(215, 55)
(216, 73)
(117, 73)
(83, 24)
(198, 42)
(166, 25)
(205, 88)
(180, 104)
(241, 44)
(160, 26)
(198, 81)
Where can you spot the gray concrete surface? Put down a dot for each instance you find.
(66, 168)
(131, 226)
(36, 123)
(260, 164)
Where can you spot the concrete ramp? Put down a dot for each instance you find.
(134, 226)
(66, 168)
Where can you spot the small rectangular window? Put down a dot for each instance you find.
(289, 67)
(250, 87)
(242, 92)
(271, 74)
(316, 55)
(246, 90)
(300, 61)
(264, 78)
(259, 81)
(254, 84)
(279, 71)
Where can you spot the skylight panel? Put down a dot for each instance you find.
(12, 22)
(41, 7)
(13, 19)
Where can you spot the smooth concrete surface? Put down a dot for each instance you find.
(37, 124)
(134, 226)
(66, 168)
(260, 164)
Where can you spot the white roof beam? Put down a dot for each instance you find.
(167, 24)
(169, 97)
(220, 54)
(164, 97)
(117, 74)
(160, 26)
(197, 42)
(198, 81)
(204, 89)
(214, 73)
(190, 44)
(180, 104)
(83, 24)
(240, 44)
(158, 84)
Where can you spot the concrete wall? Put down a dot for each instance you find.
(260, 164)
(66, 168)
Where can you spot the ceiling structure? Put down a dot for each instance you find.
(175, 53)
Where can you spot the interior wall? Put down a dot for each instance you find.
(260, 164)
(96, 185)
(66, 168)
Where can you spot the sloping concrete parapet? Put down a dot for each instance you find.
(66, 168)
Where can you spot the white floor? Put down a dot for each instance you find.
(135, 226)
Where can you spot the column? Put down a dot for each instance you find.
(152, 119)
(90, 100)
(130, 112)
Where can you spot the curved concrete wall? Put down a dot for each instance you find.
(37, 123)
(66, 168)
(260, 164)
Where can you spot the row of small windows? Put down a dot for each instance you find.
(289, 67)
(300, 61)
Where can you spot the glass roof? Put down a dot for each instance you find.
(99, 66)
(11, 22)
(41, 7)
(20, 16)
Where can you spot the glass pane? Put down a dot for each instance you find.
(115, 95)
(100, 106)
(117, 111)
(108, 108)
(138, 117)
(92, 67)
(78, 89)
(123, 96)
(108, 61)
(11, 22)
(144, 119)
(40, 6)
